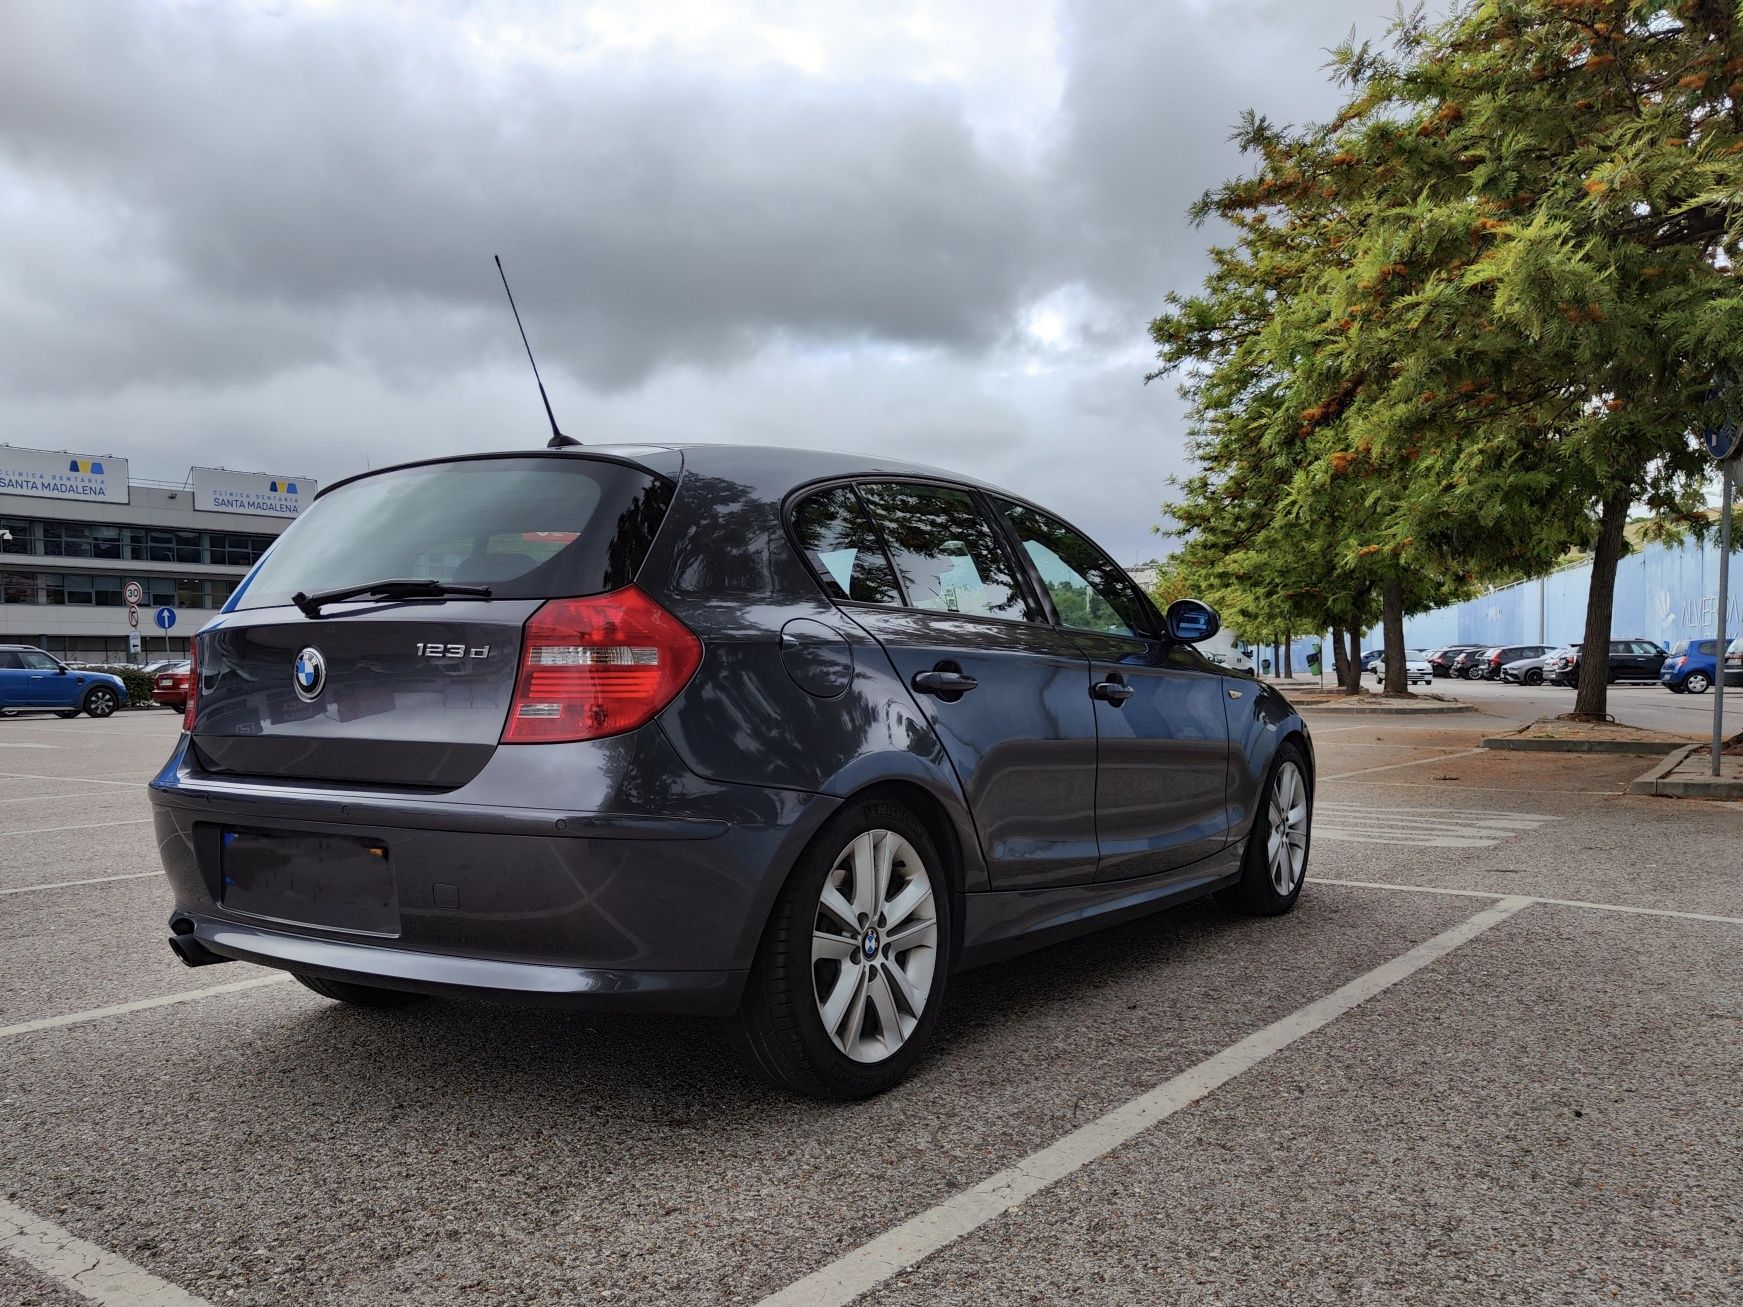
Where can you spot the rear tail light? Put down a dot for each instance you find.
(598, 666)
(193, 700)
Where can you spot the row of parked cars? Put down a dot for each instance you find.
(1686, 667)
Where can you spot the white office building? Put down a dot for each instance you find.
(75, 529)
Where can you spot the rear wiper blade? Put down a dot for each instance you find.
(391, 589)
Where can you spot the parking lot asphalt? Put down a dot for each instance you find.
(1493, 1056)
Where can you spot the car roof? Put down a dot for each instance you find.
(769, 470)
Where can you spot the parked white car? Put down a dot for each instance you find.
(1416, 668)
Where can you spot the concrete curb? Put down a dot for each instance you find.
(1660, 782)
(1646, 748)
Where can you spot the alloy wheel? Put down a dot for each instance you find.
(874, 945)
(1286, 844)
(100, 703)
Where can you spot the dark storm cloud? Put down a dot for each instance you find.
(652, 215)
(234, 234)
(1152, 94)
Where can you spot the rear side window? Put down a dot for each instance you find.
(946, 550)
(9, 661)
(841, 544)
(528, 528)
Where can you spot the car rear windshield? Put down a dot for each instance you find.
(526, 527)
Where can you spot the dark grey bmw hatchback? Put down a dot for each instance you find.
(774, 734)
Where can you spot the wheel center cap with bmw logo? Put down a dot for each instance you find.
(309, 674)
(869, 944)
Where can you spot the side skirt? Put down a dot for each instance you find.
(1000, 924)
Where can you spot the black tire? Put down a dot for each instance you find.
(344, 991)
(1697, 683)
(67, 714)
(780, 1030)
(100, 701)
(1532, 676)
(1255, 895)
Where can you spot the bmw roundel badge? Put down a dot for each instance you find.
(309, 674)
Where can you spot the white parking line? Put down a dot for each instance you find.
(89, 825)
(1434, 828)
(1414, 762)
(80, 780)
(907, 1244)
(22, 744)
(38, 798)
(138, 1005)
(89, 880)
(84, 1268)
(1555, 903)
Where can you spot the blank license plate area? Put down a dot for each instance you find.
(317, 880)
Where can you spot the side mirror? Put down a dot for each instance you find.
(1191, 620)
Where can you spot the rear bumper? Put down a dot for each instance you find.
(598, 988)
(604, 907)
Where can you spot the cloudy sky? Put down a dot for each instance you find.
(259, 234)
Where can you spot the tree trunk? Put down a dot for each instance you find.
(1289, 658)
(1338, 660)
(1276, 659)
(1392, 628)
(1353, 664)
(1593, 694)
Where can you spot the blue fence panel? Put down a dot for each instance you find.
(1663, 593)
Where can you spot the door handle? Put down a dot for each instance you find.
(1113, 690)
(944, 681)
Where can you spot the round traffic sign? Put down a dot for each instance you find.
(1723, 441)
(134, 592)
(165, 618)
(133, 617)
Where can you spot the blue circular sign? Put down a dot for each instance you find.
(165, 618)
(1723, 441)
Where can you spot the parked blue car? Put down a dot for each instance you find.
(31, 679)
(1691, 667)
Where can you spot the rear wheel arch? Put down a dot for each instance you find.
(930, 811)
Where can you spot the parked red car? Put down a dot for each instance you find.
(169, 686)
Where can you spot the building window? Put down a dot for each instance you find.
(18, 588)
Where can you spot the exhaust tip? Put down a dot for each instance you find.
(190, 950)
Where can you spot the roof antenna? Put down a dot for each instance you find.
(558, 440)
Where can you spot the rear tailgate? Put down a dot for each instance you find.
(411, 692)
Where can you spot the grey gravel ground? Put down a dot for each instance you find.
(266, 1146)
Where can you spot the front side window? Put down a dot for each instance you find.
(841, 544)
(946, 550)
(36, 661)
(1090, 592)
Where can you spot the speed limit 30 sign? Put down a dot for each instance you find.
(134, 592)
